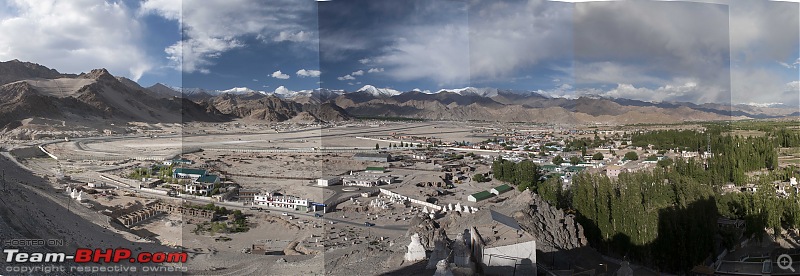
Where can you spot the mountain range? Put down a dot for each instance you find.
(29, 90)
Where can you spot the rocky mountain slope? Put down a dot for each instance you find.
(97, 98)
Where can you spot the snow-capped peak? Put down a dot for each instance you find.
(763, 105)
(423, 91)
(239, 90)
(379, 92)
(483, 92)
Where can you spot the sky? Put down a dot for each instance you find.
(709, 51)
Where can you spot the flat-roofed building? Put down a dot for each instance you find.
(373, 157)
(614, 171)
(500, 246)
(247, 195)
(285, 202)
(329, 181)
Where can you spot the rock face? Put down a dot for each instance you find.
(443, 269)
(416, 252)
(461, 252)
(552, 229)
(440, 253)
(427, 230)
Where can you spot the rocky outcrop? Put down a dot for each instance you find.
(551, 227)
(428, 230)
(441, 252)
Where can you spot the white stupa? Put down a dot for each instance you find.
(73, 194)
(80, 197)
(416, 252)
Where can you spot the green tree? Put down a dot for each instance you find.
(557, 160)
(574, 160)
(631, 155)
(479, 177)
(666, 162)
(597, 156)
(377, 147)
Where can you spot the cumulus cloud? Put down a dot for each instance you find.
(213, 27)
(308, 73)
(280, 75)
(364, 60)
(58, 34)
(358, 73)
(346, 77)
(669, 92)
(375, 70)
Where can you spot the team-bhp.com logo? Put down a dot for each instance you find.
(85, 255)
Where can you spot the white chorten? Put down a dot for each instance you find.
(416, 252)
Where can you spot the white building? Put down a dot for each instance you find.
(203, 185)
(286, 202)
(502, 247)
(366, 180)
(329, 181)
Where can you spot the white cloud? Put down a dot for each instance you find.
(790, 66)
(299, 36)
(358, 73)
(74, 36)
(279, 75)
(793, 86)
(437, 53)
(677, 90)
(562, 91)
(308, 73)
(213, 27)
(610, 72)
(346, 77)
(255, 79)
(364, 60)
(375, 70)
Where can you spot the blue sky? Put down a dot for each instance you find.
(716, 51)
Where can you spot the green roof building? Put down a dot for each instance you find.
(575, 169)
(550, 168)
(188, 173)
(208, 179)
(501, 189)
(480, 196)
